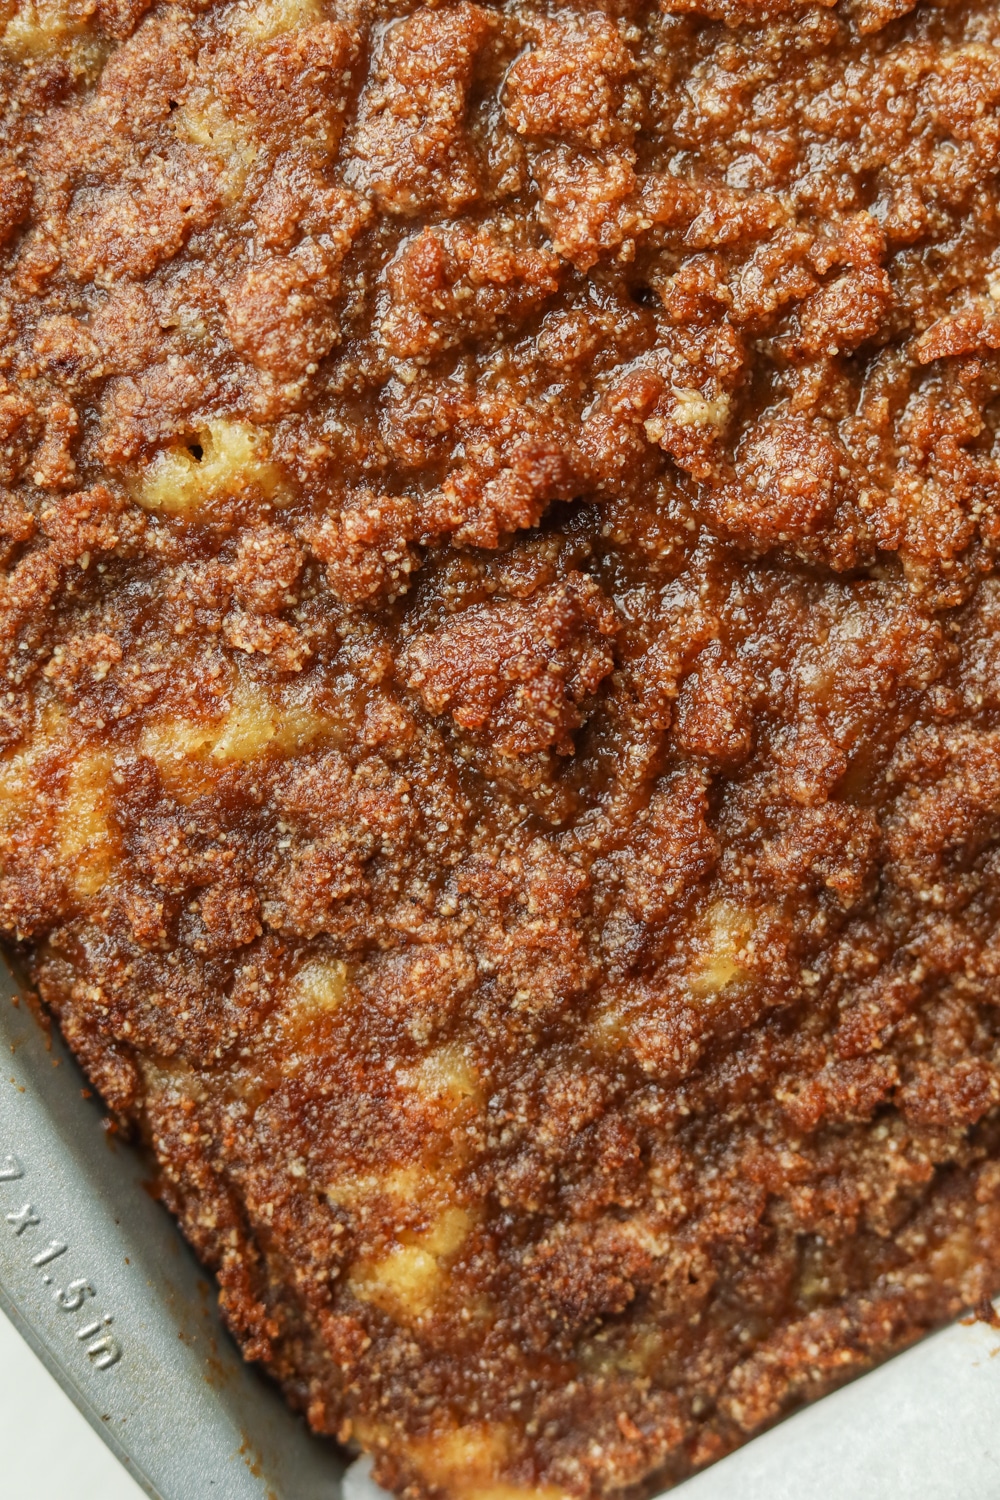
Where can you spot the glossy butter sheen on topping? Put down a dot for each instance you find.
(500, 729)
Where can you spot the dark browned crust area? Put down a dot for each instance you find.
(500, 774)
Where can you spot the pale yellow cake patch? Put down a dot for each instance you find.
(726, 931)
(462, 1461)
(412, 1279)
(269, 18)
(409, 1281)
(319, 986)
(84, 834)
(235, 457)
(76, 810)
(42, 28)
(256, 723)
(203, 121)
(444, 1077)
(189, 753)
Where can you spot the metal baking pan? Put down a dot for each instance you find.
(98, 1280)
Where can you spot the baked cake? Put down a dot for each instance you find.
(500, 776)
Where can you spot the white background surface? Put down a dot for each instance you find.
(47, 1450)
(923, 1427)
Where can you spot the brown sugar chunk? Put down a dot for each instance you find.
(280, 314)
(736, 12)
(298, 199)
(411, 149)
(153, 406)
(481, 504)
(531, 911)
(295, 80)
(834, 847)
(798, 489)
(847, 312)
(571, 87)
(140, 79)
(15, 196)
(947, 813)
(587, 200)
(266, 570)
(669, 850)
(366, 547)
(872, 15)
(715, 710)
(450, 285)
(119, 18)
(126, 330)
(65, 346)
(518, 673)
(570, 82)
(129, 230)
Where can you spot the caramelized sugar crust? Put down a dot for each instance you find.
(501, 721)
